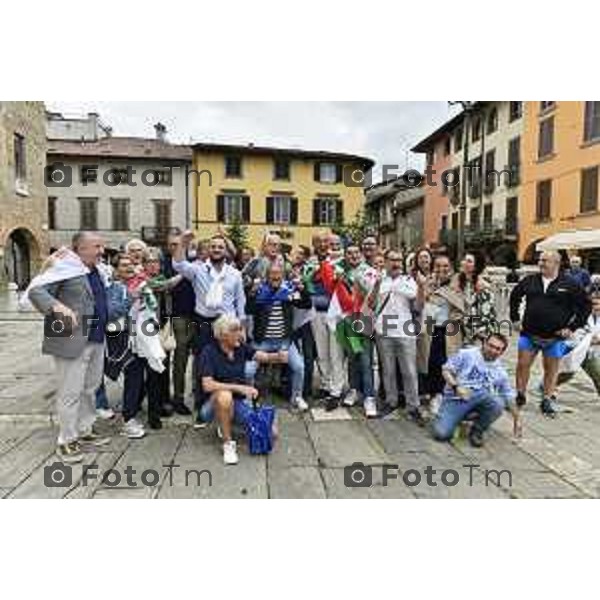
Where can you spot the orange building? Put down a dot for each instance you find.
(437, 148)
(561, 157)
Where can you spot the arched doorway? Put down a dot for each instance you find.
(20, 250)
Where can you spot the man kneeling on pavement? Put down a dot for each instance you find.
(478, 389)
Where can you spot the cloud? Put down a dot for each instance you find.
(384, 131)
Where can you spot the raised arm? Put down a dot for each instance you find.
(515, 301)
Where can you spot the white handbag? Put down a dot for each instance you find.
(167, 337)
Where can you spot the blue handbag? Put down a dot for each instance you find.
(259, 429)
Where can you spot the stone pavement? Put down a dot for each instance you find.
(555, 459)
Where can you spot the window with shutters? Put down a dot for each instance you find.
(543, 200)
(20, 158)
(280, 210)
(589, 190)
(458, 139)
(88, 174)
(51, 212)
(488, 211)
(281, 169)
(476, 134)
(326, 211)
(444, 222)
(492, 121)
(515, 111)
(490, 172)
(546, 138)
(120, 214)
(514, 162)
(591, 129)
(162, 214)
(474, 177)
(233, 208)
(447, 146)
(455, 221)
(233, 167)
(327, 173)
(474, 219)
(512, 212)
(88, 214)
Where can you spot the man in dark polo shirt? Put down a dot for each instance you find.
(223, 372)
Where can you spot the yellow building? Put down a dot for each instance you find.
(292, 192)
(561, 155)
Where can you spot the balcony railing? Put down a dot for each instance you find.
(157, 236)
(486, 233)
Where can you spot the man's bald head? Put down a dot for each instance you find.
(89, 246)
(550, 263)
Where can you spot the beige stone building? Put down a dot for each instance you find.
(23, 197)
(494, 133)
(122, 187)
(398, 212)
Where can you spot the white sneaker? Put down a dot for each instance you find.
(105, 413)
(230, 455)
(351, 398)
(370, 408)
(134, 430)
(300, 404)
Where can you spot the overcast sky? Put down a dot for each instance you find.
(384, 131)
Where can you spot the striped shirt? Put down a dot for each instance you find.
(275, 329)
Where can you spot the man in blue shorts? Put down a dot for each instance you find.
(555, 306)
(223, 370)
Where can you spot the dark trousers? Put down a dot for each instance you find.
(437, 359)
(139, 380)
(304, 340)
(185, 331)
(202, 337)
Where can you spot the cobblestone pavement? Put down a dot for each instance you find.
(555, 458)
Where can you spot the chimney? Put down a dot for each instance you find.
(161, 132)
(93, 121)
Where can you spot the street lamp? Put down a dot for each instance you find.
(468, 107)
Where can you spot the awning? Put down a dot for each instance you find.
(571, 240)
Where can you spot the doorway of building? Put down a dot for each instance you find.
(20, 248)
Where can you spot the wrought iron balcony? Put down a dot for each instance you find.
(157, 236)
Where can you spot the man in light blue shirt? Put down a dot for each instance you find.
(217, 285)
(477, 383)
(219, 291)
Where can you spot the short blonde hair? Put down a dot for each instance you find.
(224, 324)
(135, 242)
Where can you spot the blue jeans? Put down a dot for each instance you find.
(241, 410)
(360, 367)
(101, 399)
(295, 362)
(453, 411)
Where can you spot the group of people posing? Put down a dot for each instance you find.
(343, 323)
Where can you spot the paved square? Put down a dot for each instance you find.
(555, 459)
